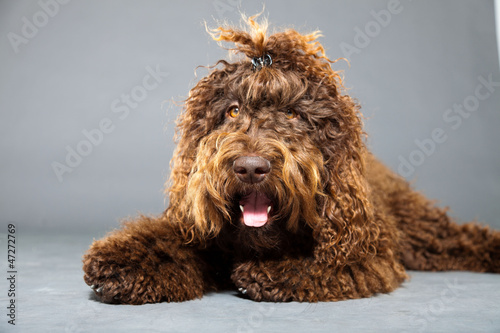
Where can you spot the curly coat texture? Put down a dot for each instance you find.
(340, 225)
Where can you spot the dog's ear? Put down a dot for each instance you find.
(201, 112)
(349, 227)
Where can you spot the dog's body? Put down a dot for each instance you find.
(273, 191)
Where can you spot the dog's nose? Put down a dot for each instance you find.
(251, 169)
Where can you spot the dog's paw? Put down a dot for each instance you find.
(117, 278)
(113, 292)
(256, 282)
(114, 284)
(106, 295)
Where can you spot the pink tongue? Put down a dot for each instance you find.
(255, 207)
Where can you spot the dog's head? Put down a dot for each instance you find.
(269, 143)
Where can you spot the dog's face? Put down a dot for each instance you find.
(264, 142)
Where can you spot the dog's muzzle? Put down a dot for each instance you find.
(255, 206)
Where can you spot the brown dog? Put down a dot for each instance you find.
(273, 192)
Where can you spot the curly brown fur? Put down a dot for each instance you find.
(340, 225)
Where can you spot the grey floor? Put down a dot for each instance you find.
(52, 297)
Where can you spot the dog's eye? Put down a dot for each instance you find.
(233, 111)
(290, 113)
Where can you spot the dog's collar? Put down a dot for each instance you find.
(259, 62)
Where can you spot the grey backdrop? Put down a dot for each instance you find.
(71, 67)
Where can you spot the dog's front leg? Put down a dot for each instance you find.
(309, 280)
(145, 262)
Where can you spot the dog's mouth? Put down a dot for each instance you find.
(255, 208)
